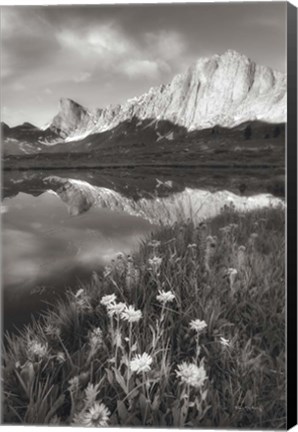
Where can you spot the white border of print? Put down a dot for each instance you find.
(72, 2)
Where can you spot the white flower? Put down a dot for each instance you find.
(154, 244)
(191, 374)
(131, 315)
(198, 325)
(155, 263)
(231, 271)
(232, 274)
(95, 338)
(60, 357)
(165, 296)
(37, 349)
(192, 246)
(108, 299)
(79, 293)
(141, 363)
(115, 308)
(91, 393)
(224, 342)
(97, 415)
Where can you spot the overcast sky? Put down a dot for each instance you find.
(100, 55)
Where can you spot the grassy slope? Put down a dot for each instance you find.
(246, 379)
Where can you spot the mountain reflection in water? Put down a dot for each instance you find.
(45, 250)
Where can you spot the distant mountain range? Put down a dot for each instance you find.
(221, 91)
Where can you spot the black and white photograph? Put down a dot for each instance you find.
(143, 215)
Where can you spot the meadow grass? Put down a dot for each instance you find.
(188, 332)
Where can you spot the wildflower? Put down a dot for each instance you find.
(191, 374)
(107, 271)
(95, 338)
(60, 357)
(115, 309)
(37, 349)
(192, 246)
(224, 342)
(108, 299)
(154, 243)
(51, 330)
(198, 325)
(73, 383)
(91, 393)
(165, 297)
(155, 263)
(131, 315)
(141, 363)
(97, 415)
(232, 274)
(225, 230)
(83, 304)
(79, 293)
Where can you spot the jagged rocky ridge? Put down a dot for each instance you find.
(191, 203)
(224, 90)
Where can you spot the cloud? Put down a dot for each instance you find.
(141, 68)
(25, 42)
(106, 43)
(107, 47)
(167, 45)
(100, 55)
(82, 77)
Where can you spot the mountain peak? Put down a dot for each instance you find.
(67, 103)
(28, 125)
(70, 115)
(224, 90)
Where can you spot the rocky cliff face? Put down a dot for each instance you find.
(70, 118)
(224, 90)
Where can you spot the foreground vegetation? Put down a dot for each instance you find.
(189, 332)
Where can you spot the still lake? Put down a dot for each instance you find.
(45, 250)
